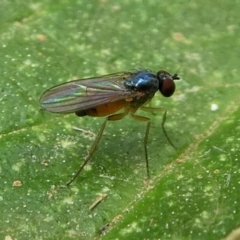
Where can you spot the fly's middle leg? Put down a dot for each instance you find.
(148, 121)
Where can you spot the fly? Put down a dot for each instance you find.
(104, 96)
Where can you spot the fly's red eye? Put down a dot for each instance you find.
(168, 88)
(166, 83)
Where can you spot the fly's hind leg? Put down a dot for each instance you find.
(114, 117)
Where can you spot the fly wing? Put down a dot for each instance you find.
(85, 94)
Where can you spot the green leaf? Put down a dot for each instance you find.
(193, 191)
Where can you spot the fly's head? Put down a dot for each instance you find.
(166, 83)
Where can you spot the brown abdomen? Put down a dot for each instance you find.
(103, 110)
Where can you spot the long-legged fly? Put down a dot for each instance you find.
(106, 95)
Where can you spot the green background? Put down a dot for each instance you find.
(193, 192)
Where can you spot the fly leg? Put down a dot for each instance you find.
(148, 121)
(164, 118)
(113, 117)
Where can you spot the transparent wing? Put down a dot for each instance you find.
(85, 94)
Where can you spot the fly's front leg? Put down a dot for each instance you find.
(163, 128)
(164, 118)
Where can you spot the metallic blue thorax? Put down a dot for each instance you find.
(145, 82)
